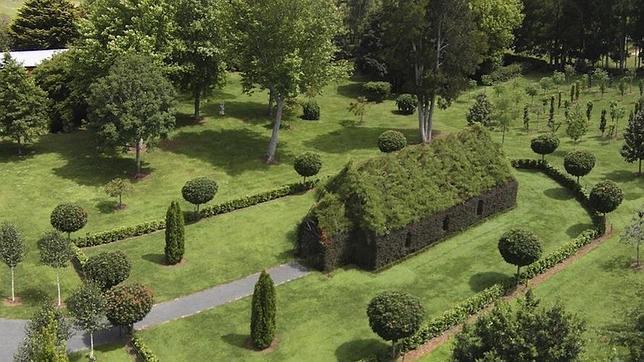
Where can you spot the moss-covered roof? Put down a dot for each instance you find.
(391, 191)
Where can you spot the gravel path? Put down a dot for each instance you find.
(12, 331)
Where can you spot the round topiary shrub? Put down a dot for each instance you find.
(107, 270)
(68, 218)
(377, 91)
(520, 247)
(391, 141)
(579, 163)
(395, 315)
(199, 191)
(308, 164)
(310, 110)
(407, 103)
(128, 304)
(544, 144)
(605, 197)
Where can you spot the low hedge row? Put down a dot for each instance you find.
(209, 211)
(480, 301)
(142, 349)
(79, 258)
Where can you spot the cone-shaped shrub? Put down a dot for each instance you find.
(262, 318)
(174, 234)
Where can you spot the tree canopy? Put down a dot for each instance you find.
(44, 24)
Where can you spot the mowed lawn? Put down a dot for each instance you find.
(219, 249)
(322, 317)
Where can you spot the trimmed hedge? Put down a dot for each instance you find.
(142, 349)
(471, 306)
(79, 258)
(127, 232)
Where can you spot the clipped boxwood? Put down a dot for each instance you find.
(377, 91)
(579, 163)
(142, 349)
(107, 269)
(68, 218)
(407, 103)
(545, 144)
(310, 110)
(307, 164)
(391, 141)
(605, 197)
(199, 191)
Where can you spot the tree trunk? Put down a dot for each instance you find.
(120, 201)
(58, 286)
(13, 294)
(91, 346)
(393, 349)
(138, 156)
(197, 103)
(272, 145)
(518, 274)
(271, 100)
(19, 147)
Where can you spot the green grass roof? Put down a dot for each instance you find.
(393, 190)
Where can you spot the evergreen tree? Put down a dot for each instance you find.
(602, 122)
(45, 337)
(633, 148)
(572, 93)
(174, 234)
(22, 104)
(558, 100)
(44, 24)
(526, 118)
(589, 110)
(551, 114)
(481, 111)
(262, 319)
(577, 90)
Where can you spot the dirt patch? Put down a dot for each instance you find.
(177, 265)
(9, 303)
(140, 176)
(249, 345)
(438, 341)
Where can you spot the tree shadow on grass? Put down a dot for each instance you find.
(238, 340)
(106, 206)
(232, 150)
(355, 138)
(558, 193)
(247, 112)
(351, 90)
(155, 258)
(360, 349)
(9, 152)
(481, 281)
(574, 230)
(617, 263)
(620, 176)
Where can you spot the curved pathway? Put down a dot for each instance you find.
(12, 331)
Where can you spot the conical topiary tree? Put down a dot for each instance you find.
(262, 318)
(174, 234)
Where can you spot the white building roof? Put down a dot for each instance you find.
(32, 58)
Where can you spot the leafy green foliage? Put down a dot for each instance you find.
(131, 105)
(633, 234)
(579, 163)
(44, 24)
(68, 217)
(127, 304)
(359, 108)
(55, 249)
(12, 247)
(481, 111)
(407, 103)
(107, 269)
(262, 318)
(87, 307)
(174, 234)
(633, 148)
(391, 141)
(307, 164)
(142, 349)
(520, 247)
(23, 115)
(199, 191)
(544, 144)
(117, 188)
(605, 196)
(529, 333)
(577, 124)
(395, 315)
(46, 337)
(310, 110)
(377, 91)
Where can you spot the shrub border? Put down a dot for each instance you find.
(476, 303)
(142, 349)
(149, 227)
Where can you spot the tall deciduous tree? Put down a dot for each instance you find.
(498, 20)
(633, 148)
(440, 42)
(44, 24)
(22, 104)
(87, 307)
(202, 37)
(12, 250)
(287, 47)
(55, 251)
(131, 106)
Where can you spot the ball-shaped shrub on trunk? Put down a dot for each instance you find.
(262, 318)
(407, 103)
(310, 110)
(520, 247)
(199, 191)
(579, 163)
(605, 197)
(391, 141)
(394, 315)
(127, 304)
(544, 144)
(68, 218)
(107, 269)
(307, 164)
